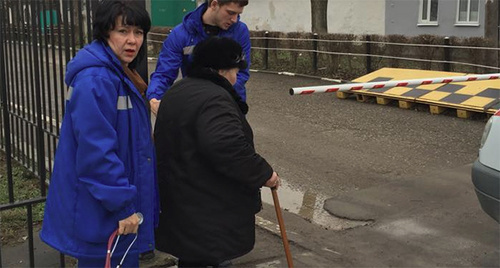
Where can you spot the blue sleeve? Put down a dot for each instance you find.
(243, 75)
(93, 111)
(167, 67)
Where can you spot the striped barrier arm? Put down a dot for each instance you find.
(386, 84)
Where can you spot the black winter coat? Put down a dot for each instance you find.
(209, 173)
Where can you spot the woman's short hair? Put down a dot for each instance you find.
(132, 14)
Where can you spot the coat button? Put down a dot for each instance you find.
(149, 159)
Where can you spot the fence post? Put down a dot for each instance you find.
(266, 52)
(62, 260)
(38, 103)
(315, 53)
(5, 109)
(368, 47)
(447, 54)
(31, 247)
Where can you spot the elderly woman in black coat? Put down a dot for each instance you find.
(209, 173)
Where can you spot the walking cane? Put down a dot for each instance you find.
(281, 223)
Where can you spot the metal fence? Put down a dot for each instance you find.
(351, 56)
(344, 57)
(33, 87)
(37, 39)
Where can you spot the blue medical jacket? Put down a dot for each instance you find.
(104, 167)
(179, 45)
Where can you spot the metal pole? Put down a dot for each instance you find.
(66, 30)
(38, 105)
(5, 111)
(15, 97)
(71, 20)
(62, 260)
(59, 91)
(387, 84)
(266, 52)
(26, 86)
(315, 53)
(80, 23)
(447, 54)
(368, 47)
(498, 32)
(1, 266)
(30, 235)
(88, 9)
(29, 98)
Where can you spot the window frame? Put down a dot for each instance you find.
(427, 22)
(467, 22)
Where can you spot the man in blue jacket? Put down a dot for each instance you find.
(214, 17)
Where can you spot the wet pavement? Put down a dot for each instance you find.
(309, 205)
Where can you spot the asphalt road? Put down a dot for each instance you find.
(367, 184)
(333, 146)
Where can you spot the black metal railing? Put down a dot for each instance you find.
(37, 39)
(28, 204)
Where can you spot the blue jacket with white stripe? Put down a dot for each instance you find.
(104, 167)
(178, 46)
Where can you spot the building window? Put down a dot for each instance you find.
(428, 12)
(468, 12)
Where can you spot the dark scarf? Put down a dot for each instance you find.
(215, 77)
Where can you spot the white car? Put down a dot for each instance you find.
(486, 169)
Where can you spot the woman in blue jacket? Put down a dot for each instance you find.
(104, 175)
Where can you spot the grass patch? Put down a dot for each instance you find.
(13, 222)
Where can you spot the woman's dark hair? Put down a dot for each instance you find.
(132, 14)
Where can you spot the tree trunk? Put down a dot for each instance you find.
(491, 20)
(318, 16)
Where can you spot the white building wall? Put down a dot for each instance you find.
(344, 16)
(278, 15)
(356, 16)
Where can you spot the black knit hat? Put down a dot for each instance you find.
(218, 53)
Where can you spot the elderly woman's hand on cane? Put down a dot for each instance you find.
(274, 181)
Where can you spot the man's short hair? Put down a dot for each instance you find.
(242, 3)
